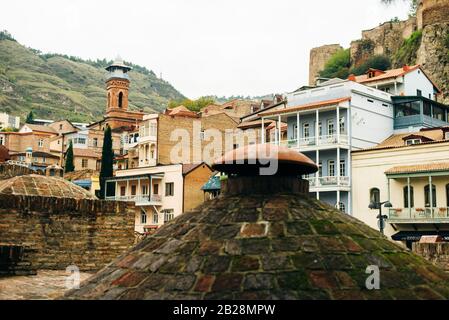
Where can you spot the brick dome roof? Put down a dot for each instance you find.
(37, 185)
(267, 244)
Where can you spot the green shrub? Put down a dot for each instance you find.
(338, 65)
(379, 62)
(406, 55)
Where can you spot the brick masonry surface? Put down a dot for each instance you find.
(58, 232)
(270, 246)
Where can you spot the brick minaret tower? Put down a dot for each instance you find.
(117, 85)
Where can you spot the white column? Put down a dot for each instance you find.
(431, 195)
(338, 165)
(280, 129)
(298, 130)
(338, 199)
(317, 132)
(317, 177)
(409, 200)
(262, 133)
(395, 88)
(139, 190)
(338, 124)
(349, 203)
(317, 195)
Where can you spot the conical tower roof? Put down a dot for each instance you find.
(270, 242)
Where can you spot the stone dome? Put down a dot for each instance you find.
(37, 185)
(266, 244)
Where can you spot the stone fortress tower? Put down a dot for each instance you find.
(432, 11)
(432, 18)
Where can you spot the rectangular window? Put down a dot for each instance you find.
(202, 135)
(306, 130)
(419, 93)
(95, 142)
(155, 218)
(2, 141)
(331, 168)
(330, 127)
(40, 143)
(320, 129)
(153, 129)
(168, 215)
(295, 132)
(438, 113)
(342, 125)
(84, 163)
(155, 189)
(133, 190)
(169, 189)
(122, 191)
(342, 168)
(411, 142)
(320, 169)
(144, 190)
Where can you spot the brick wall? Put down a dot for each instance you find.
(9, 171)
(62, 232)
(437, 253)
(193, 195)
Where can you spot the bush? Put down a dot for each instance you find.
(338, 65)
(406, 55)
(379, 62)
(5, 35)
(192, 105)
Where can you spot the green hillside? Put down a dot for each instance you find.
(62, 87)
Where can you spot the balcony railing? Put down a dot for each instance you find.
(327, 140)
(343, 181)
(138, 199)
(405, 214)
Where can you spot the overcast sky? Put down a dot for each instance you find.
(202, 47)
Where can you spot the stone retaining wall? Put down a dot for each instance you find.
(61, 232)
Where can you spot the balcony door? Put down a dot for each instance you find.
(427, 196)
(330, 127)
(447, 195)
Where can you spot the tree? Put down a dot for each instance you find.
(69, 165)
(192, 105)
(379, 62)
(30, 118)
(338, 65)
(107, 158)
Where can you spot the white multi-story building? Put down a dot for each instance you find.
(337, 117)
(7, 121)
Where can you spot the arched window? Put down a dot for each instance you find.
(412, 197)
(427, 196)
(120, 100)
(374, 195)
(447, 195)
(143, 217)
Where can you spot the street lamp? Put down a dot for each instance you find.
(378, 205)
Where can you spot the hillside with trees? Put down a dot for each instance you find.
(58, 86)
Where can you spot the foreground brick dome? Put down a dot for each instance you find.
(266, 244)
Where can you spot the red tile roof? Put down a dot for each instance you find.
(85, 153)
(309, 106)
(420, 168)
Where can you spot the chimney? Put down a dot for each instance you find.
(264, 169)
(352, 77)
(406, 68)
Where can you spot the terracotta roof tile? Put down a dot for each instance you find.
(41, 128)
(420, 168)
(308, 106)
(88, 153)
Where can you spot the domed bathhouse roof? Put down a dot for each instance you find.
(265, 238)
(36, 185)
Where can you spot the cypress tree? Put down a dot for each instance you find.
(69, 165)
(30, 118)
(107, 158)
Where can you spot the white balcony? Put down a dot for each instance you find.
(418, 215)
(313, 143)
(140, 200)
(331, 182)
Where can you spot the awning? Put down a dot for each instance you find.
(415, 236)
(83, 183)
(214, 184)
